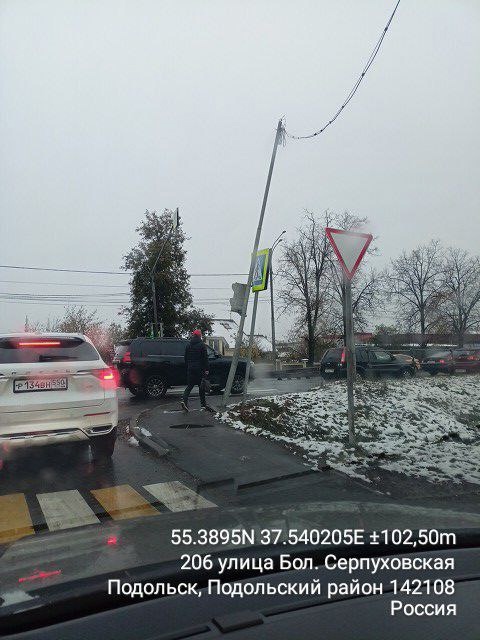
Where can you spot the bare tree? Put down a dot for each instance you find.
(312, 282)
(366, 296)
(80, 320)
(415, 284)
(305, 274)
(459, 301)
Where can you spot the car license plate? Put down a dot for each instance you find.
(461, 370)
(329, 370)
(40, 384)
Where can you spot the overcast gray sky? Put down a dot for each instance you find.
(108, 108)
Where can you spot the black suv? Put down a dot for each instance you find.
(371, 362)
(440, 361)
(149, 366)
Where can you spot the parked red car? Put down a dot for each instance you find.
(467, 360)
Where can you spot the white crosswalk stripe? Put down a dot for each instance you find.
(65, 510)
(69, 509)
(177, 497)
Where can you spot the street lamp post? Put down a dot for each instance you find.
(272, 308)
(175, 224)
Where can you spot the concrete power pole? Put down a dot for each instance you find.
(238, 341)
(250, 344)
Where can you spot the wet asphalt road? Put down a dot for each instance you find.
(66, 478)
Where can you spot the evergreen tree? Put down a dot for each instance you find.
(172, 282)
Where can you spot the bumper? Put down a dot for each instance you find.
(333, 372)
(39, 428)
(469, 367)
(15, 441)
(437, 368)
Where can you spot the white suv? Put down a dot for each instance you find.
(54, 387)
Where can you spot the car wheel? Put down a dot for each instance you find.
(451, 372)
(238, 385)
(138, 392)
(103, 446)
(155, 387)
(407, 373)
(433, 373)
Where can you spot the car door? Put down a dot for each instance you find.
(176, 360)
(216, 367)
(383, 362)
(361, 359)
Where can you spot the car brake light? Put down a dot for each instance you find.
(126, 357)
(342, 357)
(441, 361)
(106, 377)
(40, 343)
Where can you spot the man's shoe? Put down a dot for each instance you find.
(184, 406)
(207, 408)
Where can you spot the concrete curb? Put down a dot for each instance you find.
(163, 449)
(145, 440)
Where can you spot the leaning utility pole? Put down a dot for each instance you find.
(250, 344)
(238, 341)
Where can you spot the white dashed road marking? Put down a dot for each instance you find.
(65, 510)
(177, 497)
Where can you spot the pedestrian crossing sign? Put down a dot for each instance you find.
(260, 273)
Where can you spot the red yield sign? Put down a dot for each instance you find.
(349, 247)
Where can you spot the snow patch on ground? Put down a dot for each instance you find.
(133, 441)
(424, 427)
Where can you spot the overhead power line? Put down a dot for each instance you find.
(112, 305)
(85, 284)
(117, 273)
(11, 266)
(355, 87)
(63, 284)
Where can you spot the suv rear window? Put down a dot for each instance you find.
(333, 355)
(155, 347)
(43, 349)
(120, 350)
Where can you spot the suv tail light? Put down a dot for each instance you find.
(38, 344)
(107, 377)
(342, 357)
(126, 357)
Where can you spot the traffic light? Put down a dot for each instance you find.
(239, 292)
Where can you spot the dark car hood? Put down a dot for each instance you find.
(95, 552)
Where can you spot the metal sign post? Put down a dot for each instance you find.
(349, 247)
(350, 358)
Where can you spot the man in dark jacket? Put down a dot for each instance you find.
(196, 360)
